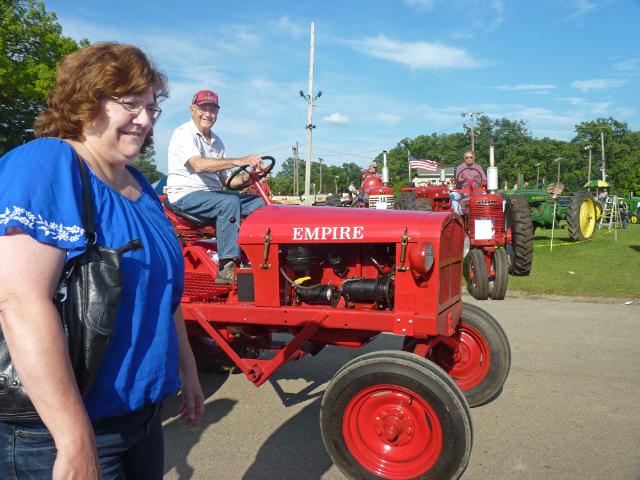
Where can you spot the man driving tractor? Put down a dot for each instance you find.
(467, 175)
(197, 172)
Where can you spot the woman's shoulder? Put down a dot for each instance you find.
(42, 155)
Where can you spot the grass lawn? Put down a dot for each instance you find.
(606, 266)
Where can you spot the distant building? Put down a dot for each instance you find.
(427, 176)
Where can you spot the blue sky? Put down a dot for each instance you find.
(388, 69)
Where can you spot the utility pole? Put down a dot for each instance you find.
(588, 149)
(296, 171)
(320, 189)
(310, 98)
(335, 183)
(558, 160)
(537, 175)
(604, 174)
(472, 132)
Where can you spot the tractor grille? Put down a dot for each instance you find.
(486, 209)
(451, 251)
(374, 199)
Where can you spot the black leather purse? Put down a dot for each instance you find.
(87, 299)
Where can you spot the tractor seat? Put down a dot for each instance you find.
(196, 219)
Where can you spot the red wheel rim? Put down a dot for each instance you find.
(392, 432)
(469, 362)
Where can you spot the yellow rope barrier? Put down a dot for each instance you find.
(572, 243)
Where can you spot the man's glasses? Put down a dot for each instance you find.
(207, 109)
(136, 106)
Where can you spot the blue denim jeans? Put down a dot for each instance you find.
(227, 208)
(129, 447)
(456, 198)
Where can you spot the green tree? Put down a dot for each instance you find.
(31, 45)
(146, 163)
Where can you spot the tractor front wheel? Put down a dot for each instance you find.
(500, 265)
(408, 200)
(477, 274)
(478, 358)
(581, 217)
(394, 415)
(517, 218)
(633, 218)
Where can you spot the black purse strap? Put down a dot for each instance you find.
(88, 205)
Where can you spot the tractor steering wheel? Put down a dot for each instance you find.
(253, 176)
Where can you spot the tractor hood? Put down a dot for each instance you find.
(298, 224)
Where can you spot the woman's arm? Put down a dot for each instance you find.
(29, 274)
(192, 407)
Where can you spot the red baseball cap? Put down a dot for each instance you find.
(205, 96)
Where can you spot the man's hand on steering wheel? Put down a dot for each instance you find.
(257, 174)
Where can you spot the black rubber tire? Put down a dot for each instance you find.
(498, 285)
(411, 373)
(408, 200)
(333, 201)
(579, 202)
(477, 275)
(210, 358)
(477, 322)
(517, 217)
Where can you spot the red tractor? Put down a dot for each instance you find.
(499, 232)
(337, 276)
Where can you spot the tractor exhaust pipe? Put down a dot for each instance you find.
(385, 169)
(492, 171)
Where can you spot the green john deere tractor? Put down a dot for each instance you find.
(578, 210)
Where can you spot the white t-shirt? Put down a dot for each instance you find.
(186, 142)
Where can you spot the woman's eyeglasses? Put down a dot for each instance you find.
(136, 106)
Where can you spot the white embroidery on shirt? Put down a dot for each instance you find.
(56, 230)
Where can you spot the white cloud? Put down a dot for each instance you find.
(336, 119)
(597, 84)
(421, 5)
(286, 25)
(387, 118)
(582, 7)
(416, 55)
(527, 87)
(628, 65)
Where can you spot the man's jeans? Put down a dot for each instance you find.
(129, 447)
(227, 208)
(456, 199)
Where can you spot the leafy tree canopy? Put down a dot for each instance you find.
(31, 45)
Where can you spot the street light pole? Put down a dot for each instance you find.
(310, 98)
(588, 149)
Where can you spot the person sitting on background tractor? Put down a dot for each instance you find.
(467, 175)
(197, 170)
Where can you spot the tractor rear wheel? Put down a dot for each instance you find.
(517, 218)
(394, 415)
(409, 200)
(477, 274)
(333, 201)
(500, 264)
(581, 217)
(479, 359)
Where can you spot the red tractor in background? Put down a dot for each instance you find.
(499, 232)
(323, 276)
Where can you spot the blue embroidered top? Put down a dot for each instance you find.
(41, 193)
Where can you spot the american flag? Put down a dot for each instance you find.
(430, 165)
